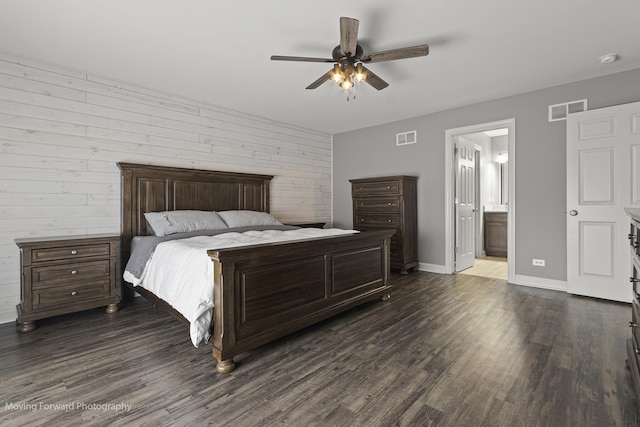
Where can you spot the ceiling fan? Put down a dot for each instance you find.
(349, 59)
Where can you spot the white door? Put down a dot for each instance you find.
(465, 203)
(603, 155)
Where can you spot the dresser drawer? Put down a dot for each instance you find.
(378, 220)
(635, 320)
(376, 187)
(635, 277)
(79, 272)
(634, 365)
(70, 252)
(70, 294)
(377, 204)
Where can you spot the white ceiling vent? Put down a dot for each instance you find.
(406, 138)
(560, 111)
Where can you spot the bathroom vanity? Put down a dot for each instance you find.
(495, 233)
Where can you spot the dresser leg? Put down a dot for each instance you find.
(26, 326)
(112, 308)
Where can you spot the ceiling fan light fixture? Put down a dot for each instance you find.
(359, 76)
(346, 84)
(337, 75)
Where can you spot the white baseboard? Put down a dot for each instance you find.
(521, 280)
(541, 282)
(432, 268)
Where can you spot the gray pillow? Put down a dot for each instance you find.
(170, 222)
(246, 218)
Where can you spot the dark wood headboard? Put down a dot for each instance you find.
(148, 188)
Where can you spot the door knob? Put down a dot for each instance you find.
(573, 212)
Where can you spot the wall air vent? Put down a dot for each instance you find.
(560, 111)
(406, 138)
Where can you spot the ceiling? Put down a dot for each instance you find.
(219, 52)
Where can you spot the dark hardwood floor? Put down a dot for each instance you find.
(445, 350)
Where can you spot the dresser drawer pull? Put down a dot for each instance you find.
(74, 252)
(74, 293)
(633, 325)
(633, 279)
(629, 236)
(389, 203)
(390, 220)
(637, 350)
(74, 271)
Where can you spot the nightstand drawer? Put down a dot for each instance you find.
(377, 204)
(70, 294)
(70, 252)
(375, 187)
(79, 272)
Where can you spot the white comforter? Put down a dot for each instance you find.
(181, 273)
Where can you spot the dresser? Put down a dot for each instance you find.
(633, 343)
(62, 275)
(389, 202)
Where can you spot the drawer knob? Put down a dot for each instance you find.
(629, 236)
(633, 325)
(633, 279)
(74, 271)
(389, 203)
(388, 187)
(74, 293)
(390, 220)
(74, 252)
(637, 350)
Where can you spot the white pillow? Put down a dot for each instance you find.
(245, 218)
(170, 222)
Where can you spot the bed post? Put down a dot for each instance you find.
(223, 316)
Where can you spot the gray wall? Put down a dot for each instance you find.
(540, 159)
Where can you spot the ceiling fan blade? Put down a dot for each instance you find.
(374, 80)
(348, 36)
(300, 58)
(322, 79)
(401, 53)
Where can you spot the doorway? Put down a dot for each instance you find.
(495, 195)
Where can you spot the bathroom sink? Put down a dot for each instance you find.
(496, 208)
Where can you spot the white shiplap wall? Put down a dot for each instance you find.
(62, 132)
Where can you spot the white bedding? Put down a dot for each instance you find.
(181, 273)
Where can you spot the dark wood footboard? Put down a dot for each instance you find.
(264, 292)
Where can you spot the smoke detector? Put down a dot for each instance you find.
(608, 58)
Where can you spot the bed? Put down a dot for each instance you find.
(260, 292)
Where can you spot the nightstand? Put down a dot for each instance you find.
(63, 275)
